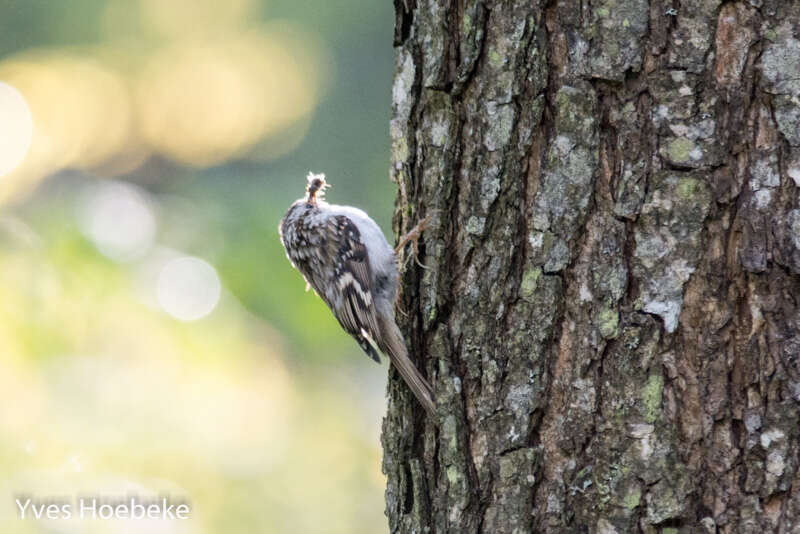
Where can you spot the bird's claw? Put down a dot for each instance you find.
(413, 237)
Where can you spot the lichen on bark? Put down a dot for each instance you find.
(608, 309)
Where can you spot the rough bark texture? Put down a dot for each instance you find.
(610, 313)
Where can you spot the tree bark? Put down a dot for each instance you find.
(609, 311)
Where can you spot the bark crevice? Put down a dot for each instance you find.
(609, 313)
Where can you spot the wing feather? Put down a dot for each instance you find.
(352, 300)
(342, 277)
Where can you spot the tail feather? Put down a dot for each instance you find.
(396, 350)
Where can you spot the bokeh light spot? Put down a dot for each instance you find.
(117, 217)
(188, 288)
(82, 111)
(16, 128)
(203, 103)
(178, 19)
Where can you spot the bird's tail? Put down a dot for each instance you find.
(396, 350)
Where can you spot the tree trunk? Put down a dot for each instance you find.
(610, 306)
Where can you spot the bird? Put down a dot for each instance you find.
(344, 256)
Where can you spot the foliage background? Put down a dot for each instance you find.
(171, 130)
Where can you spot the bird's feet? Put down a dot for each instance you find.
(413, 238)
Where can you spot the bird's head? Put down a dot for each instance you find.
(316, 187)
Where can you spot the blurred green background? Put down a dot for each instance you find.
(153, 337)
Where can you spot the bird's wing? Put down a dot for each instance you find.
(349, 293)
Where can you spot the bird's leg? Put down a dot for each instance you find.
(413, 238)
